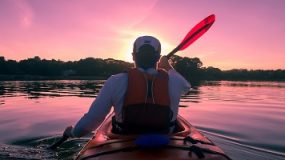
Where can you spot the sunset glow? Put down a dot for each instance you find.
(246, 34)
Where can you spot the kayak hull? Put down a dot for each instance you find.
(186, 144)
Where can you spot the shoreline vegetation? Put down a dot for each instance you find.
(100, 69)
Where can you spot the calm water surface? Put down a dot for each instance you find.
(246, 119)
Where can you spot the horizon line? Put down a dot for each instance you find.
(248, 69)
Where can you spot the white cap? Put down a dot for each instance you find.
(149, 40)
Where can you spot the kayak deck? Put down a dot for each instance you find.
(185, 144)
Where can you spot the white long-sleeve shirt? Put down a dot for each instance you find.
(113, 94)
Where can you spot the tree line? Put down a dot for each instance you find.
(191, 68)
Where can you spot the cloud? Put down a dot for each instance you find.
(25, 12)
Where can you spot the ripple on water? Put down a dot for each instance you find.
(234, 141)
(246, 119)
(36, 149)
(14, 152)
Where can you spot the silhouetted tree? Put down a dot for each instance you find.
(212, 73)
(190, 68)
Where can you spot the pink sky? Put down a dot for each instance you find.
(246, 34)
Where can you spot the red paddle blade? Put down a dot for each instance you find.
(197, 32)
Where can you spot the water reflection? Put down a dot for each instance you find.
(244, 118)
(261, 93)
(61, 88)
(243, 84)
(38, 89)
(208, 90)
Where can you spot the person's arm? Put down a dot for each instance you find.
(164, 64)
(182, 83)
(99, 109)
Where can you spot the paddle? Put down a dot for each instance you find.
(195, 33)
(62, 139)
(59, 142)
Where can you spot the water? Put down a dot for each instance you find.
(246, 119)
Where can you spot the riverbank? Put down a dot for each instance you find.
(41, 78)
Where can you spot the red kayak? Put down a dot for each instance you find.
(187, 143)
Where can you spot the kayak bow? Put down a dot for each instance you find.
(186, 143)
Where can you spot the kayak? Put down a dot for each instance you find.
(186, 143)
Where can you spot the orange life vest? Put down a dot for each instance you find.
(147, 103)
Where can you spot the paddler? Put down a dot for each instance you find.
(145, 99)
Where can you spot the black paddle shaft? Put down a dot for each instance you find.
(59, 142)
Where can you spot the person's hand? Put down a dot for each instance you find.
(164, 63)
(68, 131)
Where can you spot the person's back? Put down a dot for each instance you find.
(146, 96)
(145, 99)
